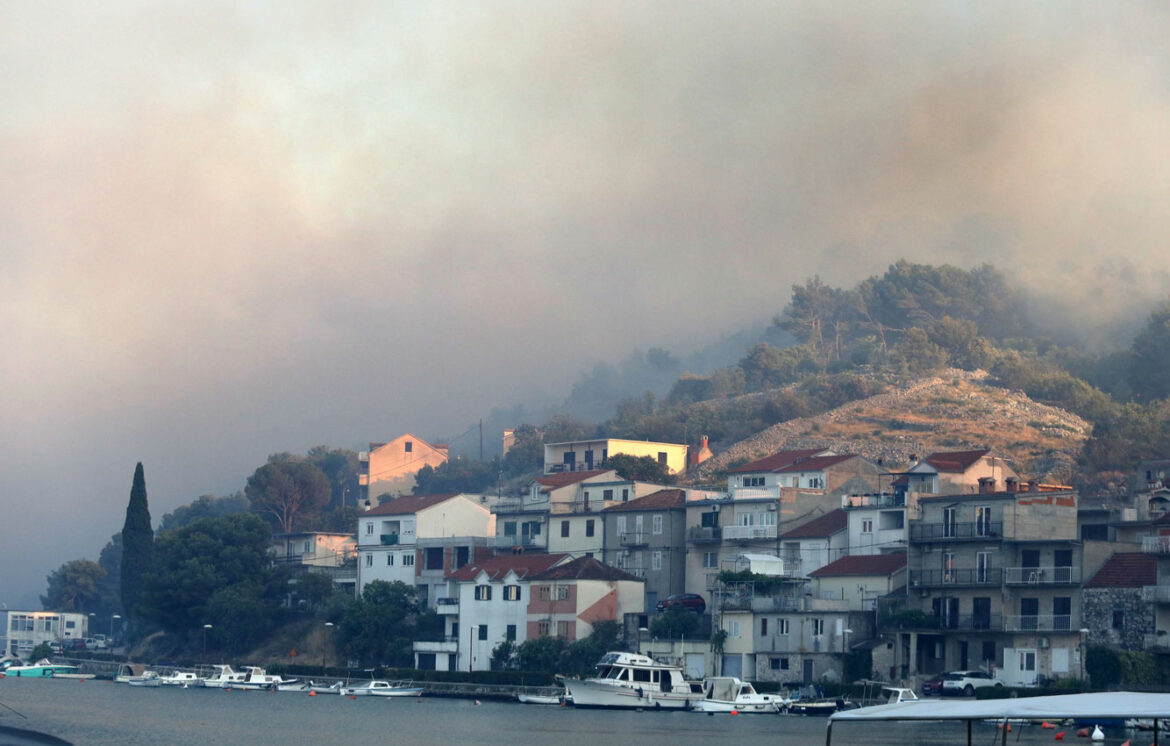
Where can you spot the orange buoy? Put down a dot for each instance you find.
(353, 696)
(312, 694)
(1083, 733)
(735, 712)
(1126, 743)
(1059, 736)
(1046, 725)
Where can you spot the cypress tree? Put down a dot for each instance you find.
(137, 544)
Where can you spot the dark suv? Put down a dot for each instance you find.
(689, 601)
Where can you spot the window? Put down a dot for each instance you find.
(483, 631)
(989, 650)
(867, 525)
(511, 593)
(562, 592)
(542, 629)
(483, 593)
(948, 560)
(509, 528)
(69, 624)
(543, 593)
(950, 527)
(510, 635)
(462, 556)
(589, 527)
(408, 559)
(710, 559)
(747, 519)
(763, 625)
(781, 626)
(585, 503)
(564, 629)
(369, 528)
(369, 560)
(662, 458)
(621, 525)
(779, 664)
(656, 561)
(434, 558)
(607, 494)
(656, 524)
(409, 446)
(818, 626)
(983, 521)
(709, 519)
(625, 494)
(308, 546)
(982, 565)
(733, 628)
(564, 529)
(753, 481)
(1118, 619)
(389, 560)
(768, 519)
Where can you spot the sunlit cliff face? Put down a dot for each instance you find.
(228, 230)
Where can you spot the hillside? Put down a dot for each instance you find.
(952, 411)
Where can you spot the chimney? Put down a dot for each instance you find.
(1011, 484)
(986, 485)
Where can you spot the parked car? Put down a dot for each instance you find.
(689, 601)
(966, 682)
(75, 643)
(933, 686)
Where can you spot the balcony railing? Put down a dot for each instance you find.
(1156, 594)
(977, 531)
(749, 533)
(965, 623)
(700, 534)
(873, 501)
(1042, 575)
(517, 540)
(389, 539)
(1156, 544)
(1037, 623)
(447, 601)
(634, 539)
(970, 576)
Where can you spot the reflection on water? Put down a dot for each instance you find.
(98, 712)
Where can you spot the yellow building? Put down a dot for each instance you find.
(389, 468)
(586, 455)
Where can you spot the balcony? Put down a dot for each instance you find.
(977, 531)
(389, 539)
(634, 539)
(449, 645)
(968, 623)
(447, 605)
(1156, 594)
(749, 533)
(1042, 575)
(956, 577)
(511, 541)
(1156, 544)
(1038, 623)
(705, 534)
(873, 501)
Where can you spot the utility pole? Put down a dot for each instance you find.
(481, 439)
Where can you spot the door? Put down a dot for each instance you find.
(981, 613)
(1029, 613)
(808, 672)
(733, 665)
(1062, 560)
(963, 654)
(1062, 612)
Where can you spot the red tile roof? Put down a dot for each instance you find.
(556, 481)
(863, 564)
(818, 528)
(409, 504)
(584, 568)
(660, 500)
(777, 460)
(1126, 570)
(955, 461)
(499, 566)
(817, 463)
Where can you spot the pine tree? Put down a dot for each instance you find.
(137, 544)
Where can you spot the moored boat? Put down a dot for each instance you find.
(730, 694)
(819, 707)
(224, 678)
(539, 699)
(633, 681)
(181, 678)
(41, 669)
(148, 678)
(383, 689)
(254, 677)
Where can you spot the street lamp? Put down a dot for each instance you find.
(205, 628)
(641, 636)
(324, 645)
(89, 633)
(115, 616)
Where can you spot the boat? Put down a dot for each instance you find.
(294, 686)
(41, 669)
(730, 694)
(820, 707)
(181, 678)
(333, 688)
(254, 677)
(896, 694)
(383, 689)
(540, 699)
(148, 678)
(634, 681)
(224, 678)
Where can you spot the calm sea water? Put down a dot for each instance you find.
(100, 712)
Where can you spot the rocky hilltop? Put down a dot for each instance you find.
(956, 410)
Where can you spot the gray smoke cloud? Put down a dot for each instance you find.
(229, 230)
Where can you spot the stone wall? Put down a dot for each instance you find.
(1097, 610)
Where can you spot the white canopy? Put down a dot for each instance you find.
(1103, 705)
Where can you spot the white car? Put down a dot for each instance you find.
(966, 682)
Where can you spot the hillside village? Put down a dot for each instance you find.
(805, 559)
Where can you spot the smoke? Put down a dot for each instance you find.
(231, 230)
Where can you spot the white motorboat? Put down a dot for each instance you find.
(148, 678)
(224, 678)
(42, 668)
(729, 694)
(540, 699)
(383, 689)
(334, 688)
(255, 677)
(181, 678)
(633, 681)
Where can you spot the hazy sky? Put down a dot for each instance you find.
(230, 229)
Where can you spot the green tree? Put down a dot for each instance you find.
(675, 623)
(1151, 357)
(540, 654)
(244, 615)
(288, 492)
(504, 656)
(917, 355)
(208, 556)
(639, 468)
(74, 586)
(457, 475)
(526, 454)
(205, 506)
(379, 627)
(137, 544)
(580, 657)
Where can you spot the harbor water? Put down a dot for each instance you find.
(101, 712)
